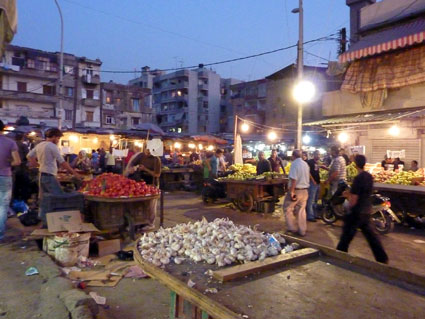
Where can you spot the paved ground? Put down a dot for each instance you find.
(146, 298)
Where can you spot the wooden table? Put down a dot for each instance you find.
(122, 213)
(304, 284)
(174, 177)
(247, 194)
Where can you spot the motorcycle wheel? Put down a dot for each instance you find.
(328, 216)
(383, 222)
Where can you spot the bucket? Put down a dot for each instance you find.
(68, 248)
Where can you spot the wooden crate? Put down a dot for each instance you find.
(106, 215)
(183, 309)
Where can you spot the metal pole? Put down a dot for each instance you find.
(59, 111)
(235, 133)
(300, 66)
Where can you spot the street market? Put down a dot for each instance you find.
(224, 185)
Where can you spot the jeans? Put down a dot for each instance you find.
(48, 184)
(313, 192)
(5, 196)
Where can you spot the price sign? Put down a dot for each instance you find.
(395, 154)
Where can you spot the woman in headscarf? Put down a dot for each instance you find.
(81, 162)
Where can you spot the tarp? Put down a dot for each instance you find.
(238, 150)
(150, 127)
(395, 37)
(209, 139)
(388, 71)
(8, 23)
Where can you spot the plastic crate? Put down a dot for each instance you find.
(55, 203)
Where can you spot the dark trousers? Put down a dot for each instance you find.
(362, 221)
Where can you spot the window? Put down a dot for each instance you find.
(205, 104)
(135, 120)
(89, 116)
(69, 91)
(22, 86)
(90, 94)
(49, 90)
(136, 105)
(30, 64)
(109, 119)
(68, 115)
(117, 101)
(124, 121)
(108, 98)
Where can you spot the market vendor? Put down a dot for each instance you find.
(247, 156)
(81, 162)
(276, 162)
(263, 164)
(414, 166)
(48, 156)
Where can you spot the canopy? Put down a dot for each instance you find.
(150, 127)
(209, 139)
(395, 37)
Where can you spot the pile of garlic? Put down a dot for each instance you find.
(219, 242)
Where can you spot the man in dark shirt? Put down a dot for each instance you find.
(276, 162)
(263, 165)
(313, 190)
(359, 198)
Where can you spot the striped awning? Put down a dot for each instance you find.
(395, 37)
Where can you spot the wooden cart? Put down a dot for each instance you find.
(249, 194)
(122, 213)
(313, 282)
(174, 178)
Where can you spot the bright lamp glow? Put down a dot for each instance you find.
(201, 147)
(95, 140)
(244, 127)
(322, 151)
(261, 147)
(306, 139)
(191, 145)
(394, 130)
(33, 133)
(177, 145)
(210, 147)
(112, 137)
(304, 91)
(272, 136)
(343, 137)
(73, 138)
(9, 128)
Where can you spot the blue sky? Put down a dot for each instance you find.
(129, 34)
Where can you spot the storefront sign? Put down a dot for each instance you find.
(357, 150)
(395, 154)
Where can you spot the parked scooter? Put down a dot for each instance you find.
(335, 207)
(212, 191)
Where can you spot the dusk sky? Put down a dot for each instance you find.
(129, 34)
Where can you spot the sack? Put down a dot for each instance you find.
(69, 247)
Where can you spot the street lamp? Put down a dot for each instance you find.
(60, 70)
(343, 137)
(304, 92)
(272, 136)
(244, 127)
(394, 130)
(306, 139)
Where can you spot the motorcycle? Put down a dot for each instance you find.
(212, 191)
(335, 207)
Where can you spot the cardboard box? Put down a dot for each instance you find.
(82, 228)
(107, 247)
(59, 221)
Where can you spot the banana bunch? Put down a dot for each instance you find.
(351, 172)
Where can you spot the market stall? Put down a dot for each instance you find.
(269, 288)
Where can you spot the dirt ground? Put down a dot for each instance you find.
(147, 298)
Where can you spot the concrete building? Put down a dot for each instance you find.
(188, 101)
(226, 107)
(124, 106)
(30, 87)
(146, 81)
(249, 101)
(381, 102)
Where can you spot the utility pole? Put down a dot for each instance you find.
(59, 93)
(300, 66)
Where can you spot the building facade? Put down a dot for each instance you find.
(30, 88)
(146, 81)
(124, 106)
(226, 107)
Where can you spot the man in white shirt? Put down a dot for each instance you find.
(297, 195)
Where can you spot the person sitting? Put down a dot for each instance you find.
(398, 162)
(414, 166)
(263, 164)
(81, 162)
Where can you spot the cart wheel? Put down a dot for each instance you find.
(130, 226)
(245, 202)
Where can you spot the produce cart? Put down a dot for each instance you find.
(178, 177)
(122, 213)
(249, 194)
(312, 282)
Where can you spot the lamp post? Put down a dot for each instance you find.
(59, 110)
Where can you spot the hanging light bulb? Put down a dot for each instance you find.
(272, 136)
(394, 130)
(244, 127)
(343, 137)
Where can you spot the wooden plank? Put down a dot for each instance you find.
(266, 264)
(388, 272)
(212, 307)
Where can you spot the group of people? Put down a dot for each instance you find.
(302, 195)
(398, 164)
(273, 164)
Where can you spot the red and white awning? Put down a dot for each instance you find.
(393, 38)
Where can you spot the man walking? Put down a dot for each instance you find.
(359, 198)
(313, 190)
(9, 157)
(296, 198)
(337, 169)
(48, 157)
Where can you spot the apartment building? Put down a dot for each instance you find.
(145, 80)
(30, 88)
(226, 107)
(125, 106)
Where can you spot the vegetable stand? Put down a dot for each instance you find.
(312, 282)
(247, 194)
(178, 177)
(122, 213)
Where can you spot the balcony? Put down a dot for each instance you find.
(28, 96)
(169, 99)
(29, 114)
(91, 79)
(91, 102)
(108, 106)
(203, 87)
(203, 74)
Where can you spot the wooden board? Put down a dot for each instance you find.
(266, 264)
